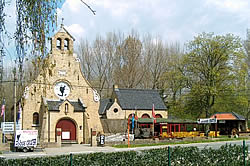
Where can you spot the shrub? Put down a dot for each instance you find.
(226, 155)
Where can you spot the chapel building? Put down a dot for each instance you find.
(61, 98)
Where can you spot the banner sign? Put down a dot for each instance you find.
(8, 127)
(208, 120)
(26, 138)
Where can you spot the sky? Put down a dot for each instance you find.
(171, 20)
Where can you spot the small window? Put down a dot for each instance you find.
(35, 118)
(115, 110)
(145, 116)
(66, 108)
(66, 44)
(58, 43)
(158, 116)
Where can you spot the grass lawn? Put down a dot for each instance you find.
(220, 138)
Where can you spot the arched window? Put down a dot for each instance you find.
(66, 108)
(145, 116)
(158, 116)
(35, 118)
(66, 44)
(58, 43)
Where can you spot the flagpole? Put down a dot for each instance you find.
(153, 116)
(153, 128)
(128, 132)
(14, 107)
(136, 118)
(3, 121)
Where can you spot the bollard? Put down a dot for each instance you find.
(71, 159)
(169, 156)
(244, 152)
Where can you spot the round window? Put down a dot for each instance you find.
(115, 110)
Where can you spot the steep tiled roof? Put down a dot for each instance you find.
(105, 104)
(140, 99)
(228, 116)
(53, 105)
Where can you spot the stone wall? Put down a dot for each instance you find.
(114, 125)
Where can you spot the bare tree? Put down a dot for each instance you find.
(97, 61)
(128, 71)
(86, 58)
(155, 61)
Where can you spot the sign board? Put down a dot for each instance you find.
(102, 139)
(221, 121)
(26, 138)
(65, 135)
(8, 127)
(206, 121)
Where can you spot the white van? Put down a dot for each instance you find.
(26, 140)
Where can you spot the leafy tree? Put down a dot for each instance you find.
(35, 20)
(174, 80)
(214, 65)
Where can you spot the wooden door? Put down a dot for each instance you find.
(68, 129)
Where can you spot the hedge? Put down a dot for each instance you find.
(226, 155)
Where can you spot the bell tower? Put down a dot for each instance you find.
(62, 42)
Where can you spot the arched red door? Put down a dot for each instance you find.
(68, 129)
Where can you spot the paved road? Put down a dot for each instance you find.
(76, 149)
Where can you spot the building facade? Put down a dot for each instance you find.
(61, 98)
(140, 102)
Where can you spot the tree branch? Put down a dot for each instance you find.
(93, 11)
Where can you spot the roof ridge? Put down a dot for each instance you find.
(138, 89)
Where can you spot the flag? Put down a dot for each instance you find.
(153, 113)
(136, 117)
(3, 108)
(19, 112)
(133, 121)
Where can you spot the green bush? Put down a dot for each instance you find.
(226, 155)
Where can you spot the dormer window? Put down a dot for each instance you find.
(66, 44)
(58, 43)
